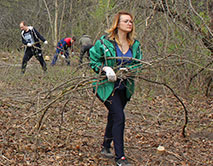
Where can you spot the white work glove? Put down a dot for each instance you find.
(123, 69)
(73, 53)
(110, 73)
(62, 55)
(29, 45)
(45, 42)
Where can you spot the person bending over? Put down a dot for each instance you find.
(62, 49)
(86, 43)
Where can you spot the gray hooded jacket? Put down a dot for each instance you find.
(85, 40)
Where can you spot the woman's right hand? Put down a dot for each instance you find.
(110, 73)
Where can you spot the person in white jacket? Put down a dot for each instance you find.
(31, 39)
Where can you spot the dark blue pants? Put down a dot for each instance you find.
(59, 50)
(116, 120)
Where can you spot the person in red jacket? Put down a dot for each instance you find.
(62, 48)
(30, 38)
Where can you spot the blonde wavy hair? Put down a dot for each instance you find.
(113, 30)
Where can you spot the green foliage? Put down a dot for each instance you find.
(200, 23)
(160, 44)
(101, 10)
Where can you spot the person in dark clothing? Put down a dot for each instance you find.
(114, 53)
(31, 39)
(86, 43)
(62, 48)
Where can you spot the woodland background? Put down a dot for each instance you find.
(54, 118)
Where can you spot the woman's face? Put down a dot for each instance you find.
(125, 23)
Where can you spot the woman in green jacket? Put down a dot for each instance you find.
(112, 54)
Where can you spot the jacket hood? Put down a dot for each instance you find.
(86, 36)
(30, 27)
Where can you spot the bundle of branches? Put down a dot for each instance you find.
(85, 82)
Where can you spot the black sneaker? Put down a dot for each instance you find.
(122, 162)
(23, 71)
(106, 152)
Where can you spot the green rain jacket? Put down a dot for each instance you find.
(99, 53)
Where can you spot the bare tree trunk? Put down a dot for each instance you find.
(107, 14)
(70, 7)
(71, 15)
(55, 25)
(50, 20)
(209, 87)
(61, 20)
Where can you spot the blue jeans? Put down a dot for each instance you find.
(60, 50)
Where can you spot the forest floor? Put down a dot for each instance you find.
(40, 126)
